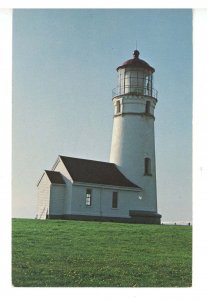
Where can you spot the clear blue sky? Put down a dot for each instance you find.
(64, 69)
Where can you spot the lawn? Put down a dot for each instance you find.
(55, 253)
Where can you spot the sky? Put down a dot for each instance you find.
(64, 70)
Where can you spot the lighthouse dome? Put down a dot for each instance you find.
(136, 62)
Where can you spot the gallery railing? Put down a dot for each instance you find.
(133, 90)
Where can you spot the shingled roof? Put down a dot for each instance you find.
(55, 177)
(98, 172)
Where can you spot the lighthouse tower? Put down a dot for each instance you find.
(133, 141)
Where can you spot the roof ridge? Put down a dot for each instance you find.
(52, 171)
(86, 159)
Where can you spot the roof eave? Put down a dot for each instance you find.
(136, 188)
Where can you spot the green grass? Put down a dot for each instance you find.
(56, 253)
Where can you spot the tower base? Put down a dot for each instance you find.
(144, 217)
(136, 217)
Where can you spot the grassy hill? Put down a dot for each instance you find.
(56, 253)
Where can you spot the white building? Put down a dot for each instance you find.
(125, 188)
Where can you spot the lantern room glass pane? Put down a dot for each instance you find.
(121, 81)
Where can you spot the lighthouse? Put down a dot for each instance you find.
(123, 189)
(133, 139)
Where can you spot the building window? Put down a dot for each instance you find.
(147, 107)
(115, 200)
(118, 107)
(88, 197)
(147, 166)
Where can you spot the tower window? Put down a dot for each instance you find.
(147, 107)
(118, 107)
(147, 166)
(88, 197)
(115, 200)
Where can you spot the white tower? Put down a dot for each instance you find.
(133, 142)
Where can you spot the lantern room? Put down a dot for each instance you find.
(135, 77)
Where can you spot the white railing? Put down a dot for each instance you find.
(134, 90)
